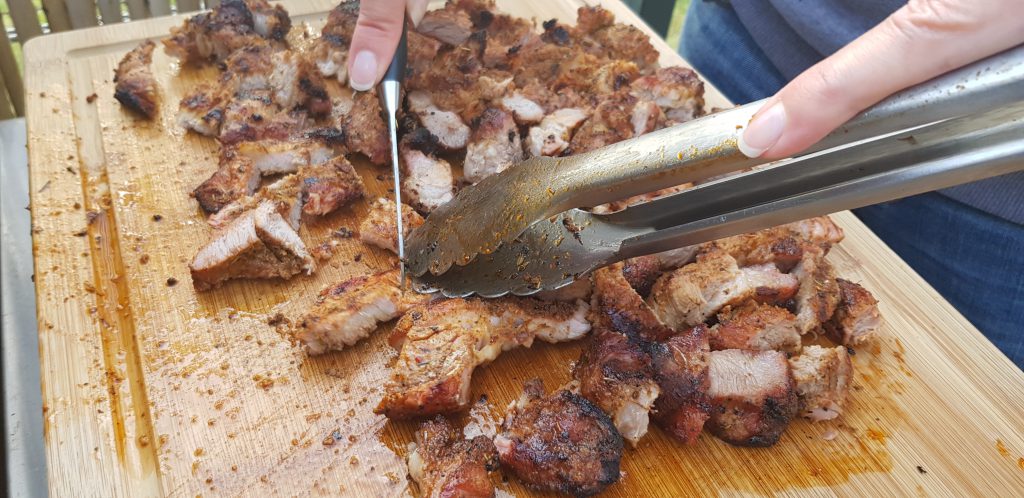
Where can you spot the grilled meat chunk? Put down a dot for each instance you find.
(364, 126)
(257, 244)
(232, 25)
(856, 320)
(757, 327)
(135, 86)
(255, 116)
(285, 193)
(611, 122)
(822, 377)
(819, 292)
(235, 178)
(677, 91)
(524, 110)
(493, 146)
(444, 465)
(273, 157)
(551, 137)
(752, 394)
(379, 227)
(615, 373)
(202, 111)
(599, 34)
(444, 341)
(447, 25)
(681, 370)
(350, 311)
(783, 245)
(428, 182)
(330, 51)
(330, 185)
(559, 442)
(451, 132)
(690, 295)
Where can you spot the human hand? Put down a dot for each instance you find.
(376, 36)
(923, 39)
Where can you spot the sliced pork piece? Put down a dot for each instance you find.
(444, 465)
(752, 394)
(560, 442)
(235, 178)
(135, 86)
(330, 51)
(364, 126)
(255, 116)
(428, 182)
(757, 327)
(524, 110)
(329, 185)
(285, 193)
(819, 292)
(681, 370)
(379, 227)
(646, 117)
(448, 25)
(856, 320)
(257, 244)
(451, 132)
(615, 373)
(611, 122)
(622, 309)
(783, 245)
(614, 76)
(614, 40)
(350, 311)
(677, 91)
(232, 25)
(551, 137)
(202, 111)
(296, 83)
(274, 156)
(822, 377)
(690, 295)
(493, 146)
(444, 341)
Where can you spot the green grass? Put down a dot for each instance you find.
(675, 27)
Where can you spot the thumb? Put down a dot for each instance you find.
(375, 38)
(921, 40)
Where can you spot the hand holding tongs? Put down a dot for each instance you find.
(519, 231)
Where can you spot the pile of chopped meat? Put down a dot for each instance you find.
(706, 337)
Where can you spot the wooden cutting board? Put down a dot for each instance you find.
(151, 389)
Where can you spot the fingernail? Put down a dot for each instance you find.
(416, 12)
(363, 73)
(763, 131)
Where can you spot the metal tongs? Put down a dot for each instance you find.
(521, 231)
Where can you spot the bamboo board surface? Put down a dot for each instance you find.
(151, 389)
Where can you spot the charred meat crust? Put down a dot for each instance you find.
(560, 442)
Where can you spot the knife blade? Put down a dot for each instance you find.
(390, 93)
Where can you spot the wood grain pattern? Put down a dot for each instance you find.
(151, 389)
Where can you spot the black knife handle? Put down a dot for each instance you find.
(396, 70)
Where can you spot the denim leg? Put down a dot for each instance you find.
(973, 259)
(717, 45)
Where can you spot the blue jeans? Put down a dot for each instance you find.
(973, 259)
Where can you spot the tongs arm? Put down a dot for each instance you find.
(929, 158)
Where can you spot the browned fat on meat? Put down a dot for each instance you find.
(444, 465)
(560, 442)
(753, 396)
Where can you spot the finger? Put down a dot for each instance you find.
(374, 39)
(922, 40)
